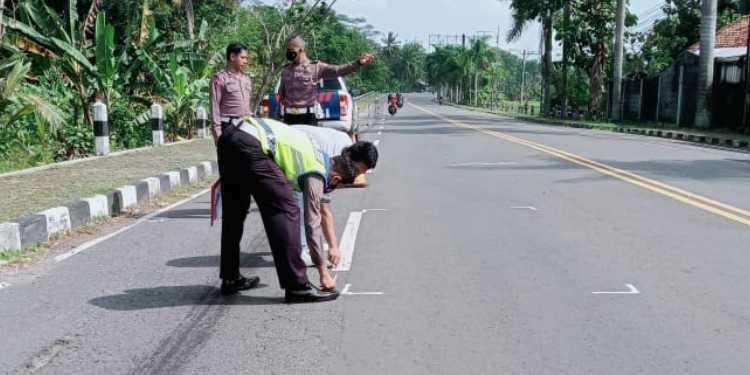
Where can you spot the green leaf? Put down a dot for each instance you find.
(73, 52)
(72, 20)
(104, 37)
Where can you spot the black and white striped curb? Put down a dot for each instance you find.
(724, 141)
(37, 228)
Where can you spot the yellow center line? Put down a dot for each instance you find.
(722, 209)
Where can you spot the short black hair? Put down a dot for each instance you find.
(344, 166)
(235, 48)
(364, 152)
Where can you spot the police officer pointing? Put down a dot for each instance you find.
(230, 90)
(298, 94)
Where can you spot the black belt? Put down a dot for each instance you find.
(232, 120)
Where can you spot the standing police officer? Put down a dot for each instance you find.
(298, 94)
(230, 90)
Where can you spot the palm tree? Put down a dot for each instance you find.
(17, 101)
(390, 43)
(411, 64)
(482, 57)
(525, 11)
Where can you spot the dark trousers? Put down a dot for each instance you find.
(305, 119)
(245, 170)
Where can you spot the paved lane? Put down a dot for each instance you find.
(487, 257)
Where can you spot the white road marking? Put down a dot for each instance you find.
(346, 292)
(4, 285)
(631, 290)
(531, 208)
(376, 143)
(381, 128)
(148, 217)
(348, 240)
(380, 133)
(482, 164)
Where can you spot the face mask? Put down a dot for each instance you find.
(291, 55)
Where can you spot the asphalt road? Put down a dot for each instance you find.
(480, 251)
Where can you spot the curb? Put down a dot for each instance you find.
(719, 141)
(37, 228)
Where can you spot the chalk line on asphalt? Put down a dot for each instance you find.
(346, 292)
(530, 208)
(148, 217)
(631, 290)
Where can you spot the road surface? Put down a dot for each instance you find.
(484, 245)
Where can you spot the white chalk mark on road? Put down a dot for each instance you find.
(148, 217)
(631, 290)
(4, 285)
(376, 143)
(346, 292)
(348, 239)
(380, 133)
(530, 208)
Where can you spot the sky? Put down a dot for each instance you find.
(415, 20)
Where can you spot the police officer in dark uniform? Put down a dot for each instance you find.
(298, 91)
(230, 91)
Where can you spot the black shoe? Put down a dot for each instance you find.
(243, 283)
(310, 294)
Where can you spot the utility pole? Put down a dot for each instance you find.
(547, 61)
(523, 76)
(566, 46)
(497, 42)
(617, 83)
(706, 64)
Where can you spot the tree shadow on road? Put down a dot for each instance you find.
(179, 295)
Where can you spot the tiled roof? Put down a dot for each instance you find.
(730, 36)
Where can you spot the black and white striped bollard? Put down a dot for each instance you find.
(200, 122)
(101, 128)
(157, 124)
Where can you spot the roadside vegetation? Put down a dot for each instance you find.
(59, 57)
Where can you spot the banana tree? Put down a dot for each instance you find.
(42, 31)
(106, 66)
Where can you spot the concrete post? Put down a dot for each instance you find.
(101, 128)
(157, 124)
(200, 122)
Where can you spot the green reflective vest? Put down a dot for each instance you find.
(292, 150)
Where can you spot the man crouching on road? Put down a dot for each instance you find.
(267, 159)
